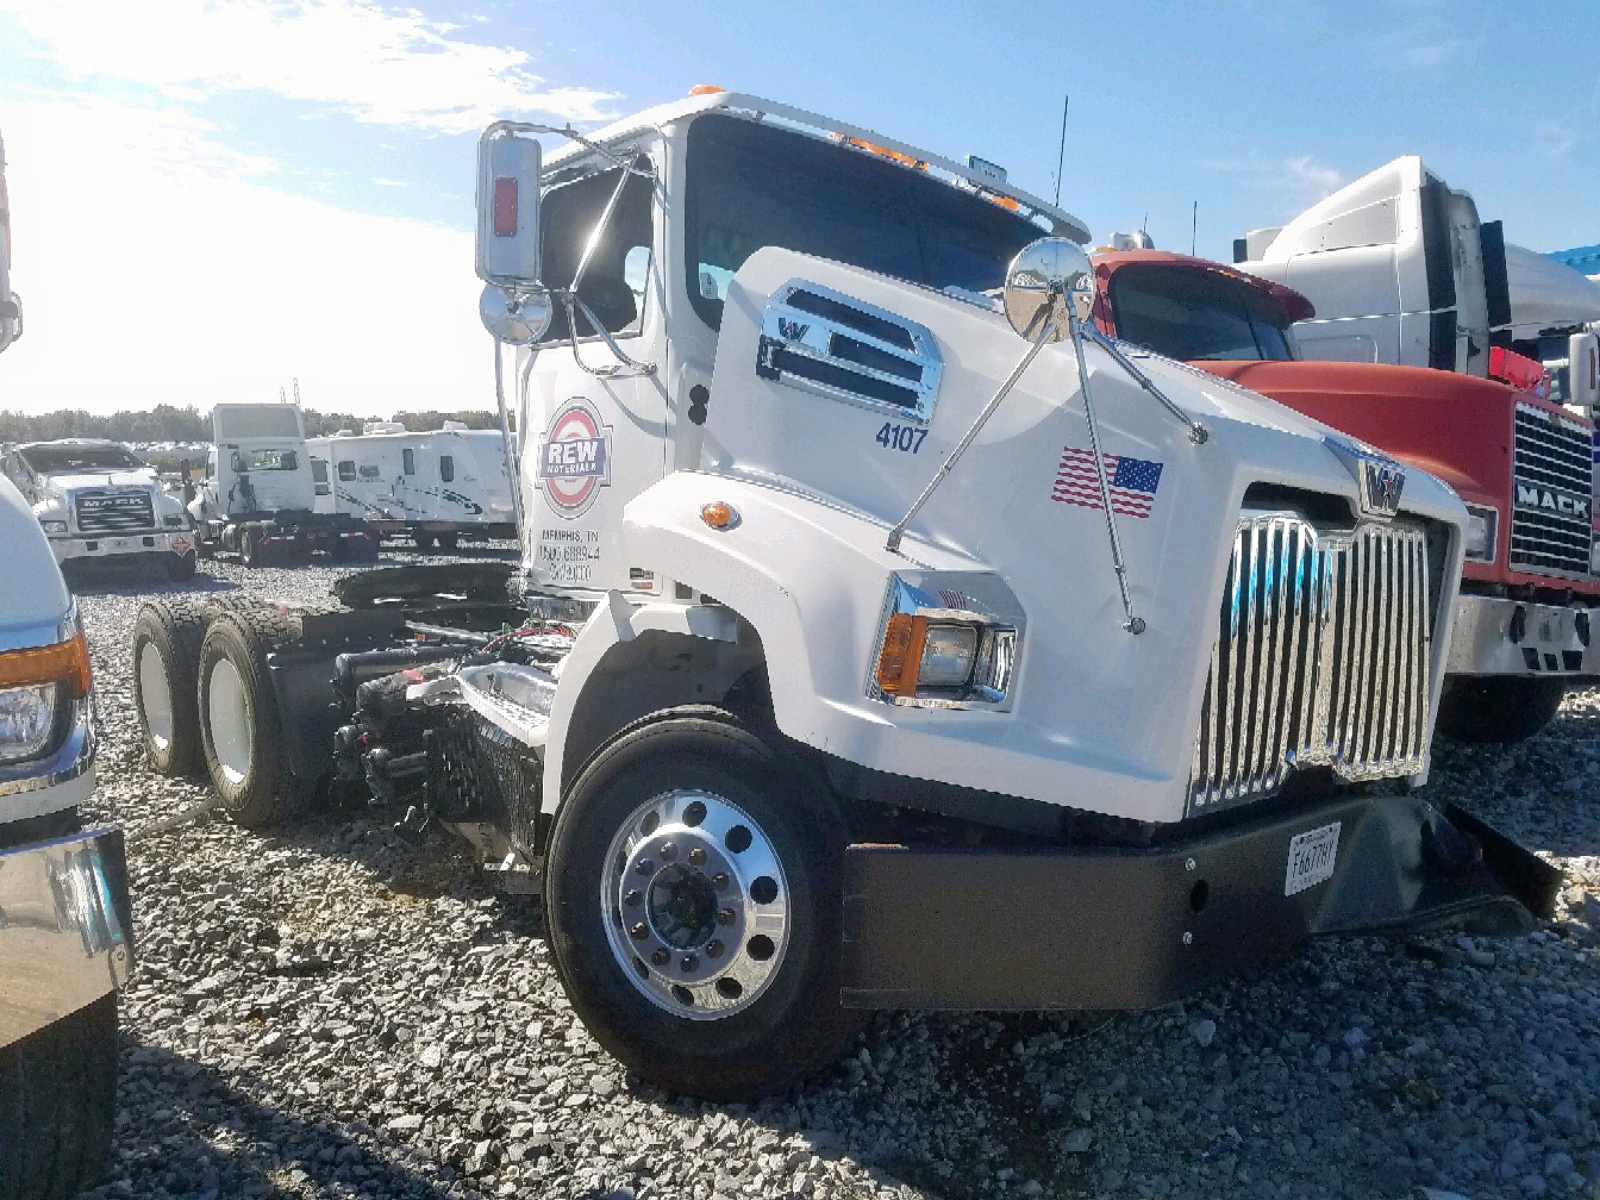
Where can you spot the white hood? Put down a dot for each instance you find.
(34, 594)
(99, 479)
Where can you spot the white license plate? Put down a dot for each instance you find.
(1311, 858)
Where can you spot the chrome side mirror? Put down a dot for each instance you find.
(509, 158)
(1045, 277)
(515, 318)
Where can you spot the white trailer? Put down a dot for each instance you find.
(864, 655)
(435, 487)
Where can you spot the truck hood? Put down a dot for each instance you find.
(65, 483)
(34, 597)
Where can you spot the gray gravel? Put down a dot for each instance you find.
(337, 1012)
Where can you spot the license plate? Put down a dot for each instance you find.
(1311, 858)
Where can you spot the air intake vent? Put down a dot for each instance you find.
(821, 341)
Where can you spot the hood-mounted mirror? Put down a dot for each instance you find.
(1045, 279)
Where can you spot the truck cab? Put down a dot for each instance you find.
(1517, 461)
(98, 502)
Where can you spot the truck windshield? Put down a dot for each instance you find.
(752, 185)
(1194, 315)
(47, 460)
(266, 460)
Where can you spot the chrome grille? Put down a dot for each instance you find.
(1552, 464)
(114, 512)
(1322, 659)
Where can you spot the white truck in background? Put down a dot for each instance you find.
(434, 487)
(258, 497)
(1402, 270)
(99, 502)
(10, 302)
(65, 922)
(864, 654)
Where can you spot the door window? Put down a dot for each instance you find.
(408, 461)
(447, 468)
(347, 470)
(613, 286)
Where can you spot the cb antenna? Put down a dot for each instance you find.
(1194, 226)
(1061, 154)
(296, 382)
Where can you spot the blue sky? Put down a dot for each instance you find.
(210, 198)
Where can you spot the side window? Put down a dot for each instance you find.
(319, 477)
(447, 468)
(614, 285)
(408, 461)
(211, 464)
(347, 470)
(369, 471)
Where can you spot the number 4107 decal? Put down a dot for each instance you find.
(905, 438)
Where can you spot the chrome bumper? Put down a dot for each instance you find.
(1509, 637)
(74, 547)
(65, 928)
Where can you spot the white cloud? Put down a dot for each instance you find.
(380, 66)
(1424, 43)
(1290, 183)
(156, 265)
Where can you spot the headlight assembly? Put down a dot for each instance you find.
(32, 684)
(941, 648)
(27, 718)
(1482, 524)
(53, 526)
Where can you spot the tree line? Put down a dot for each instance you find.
(168, 423)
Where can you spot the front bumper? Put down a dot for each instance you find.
(126, 547)
(1133, 929)
(1494, 636)
(66, 928)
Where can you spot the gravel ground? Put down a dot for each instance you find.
(337, 1012)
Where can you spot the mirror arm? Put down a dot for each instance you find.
(1198, 434)
(513, 459)
(626, 364)
(1039, 343)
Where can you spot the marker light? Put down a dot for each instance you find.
(706, 89)
(505, 206)
(900, 660)
(66, 663)
(718, 515)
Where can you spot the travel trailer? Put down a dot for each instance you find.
(435, 487)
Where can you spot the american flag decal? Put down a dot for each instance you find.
(1133, 482)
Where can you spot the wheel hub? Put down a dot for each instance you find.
(697, 904)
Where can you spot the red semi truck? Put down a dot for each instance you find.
(1522, 465)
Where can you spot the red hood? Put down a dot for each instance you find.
(1108, 262)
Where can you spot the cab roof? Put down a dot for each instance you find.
(754, 108)
(1109, 262)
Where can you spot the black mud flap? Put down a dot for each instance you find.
(1112, 928)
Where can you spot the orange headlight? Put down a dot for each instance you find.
(65, 663)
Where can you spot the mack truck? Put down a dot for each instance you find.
(66, 944)
(1520, 463)
(870, 648)
(258, 497)
(98, 502)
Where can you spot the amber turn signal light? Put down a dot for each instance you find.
(901, 657)
(718, 515)
(66, 663)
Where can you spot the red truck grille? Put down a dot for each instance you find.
(1321, 660)
(1552, 465)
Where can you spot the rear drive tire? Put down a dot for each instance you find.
(58, 1104)
(718, 975)
(180, 567)
(166, 656)
(448, 542)
(241, 729)
(1499, 708)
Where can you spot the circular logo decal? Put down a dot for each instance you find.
(574, 459)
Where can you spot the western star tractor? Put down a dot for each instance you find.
(1521, 464)
(98, 502)
(862, 654)
(65, 922)
(258, 498)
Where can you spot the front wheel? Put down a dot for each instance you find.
(58, 1105)
(693, 898)
(1499, 708)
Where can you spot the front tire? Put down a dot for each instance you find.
(1499, 708)
(58, 1103)
(693, 897)
(166, 656)
(241, 729)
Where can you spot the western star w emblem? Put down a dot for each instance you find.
(1548, 500)
(792, 331)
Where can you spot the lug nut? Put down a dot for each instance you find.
(720, 881)
(669, 851)
(689, 962)
(660, 956)
(725, 916)
(633, 898)
(714, 948)
(644, 866)
(640, 931)
(697, 856)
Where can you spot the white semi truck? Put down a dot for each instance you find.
(1402, 270)
(863, 654)
(258, 497)
(99, 502)
(433, 487)
(65, 922)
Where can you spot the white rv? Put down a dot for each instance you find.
(434, 487)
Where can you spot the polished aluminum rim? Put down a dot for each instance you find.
(229, 720)
(155, 695)
(696, 904)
